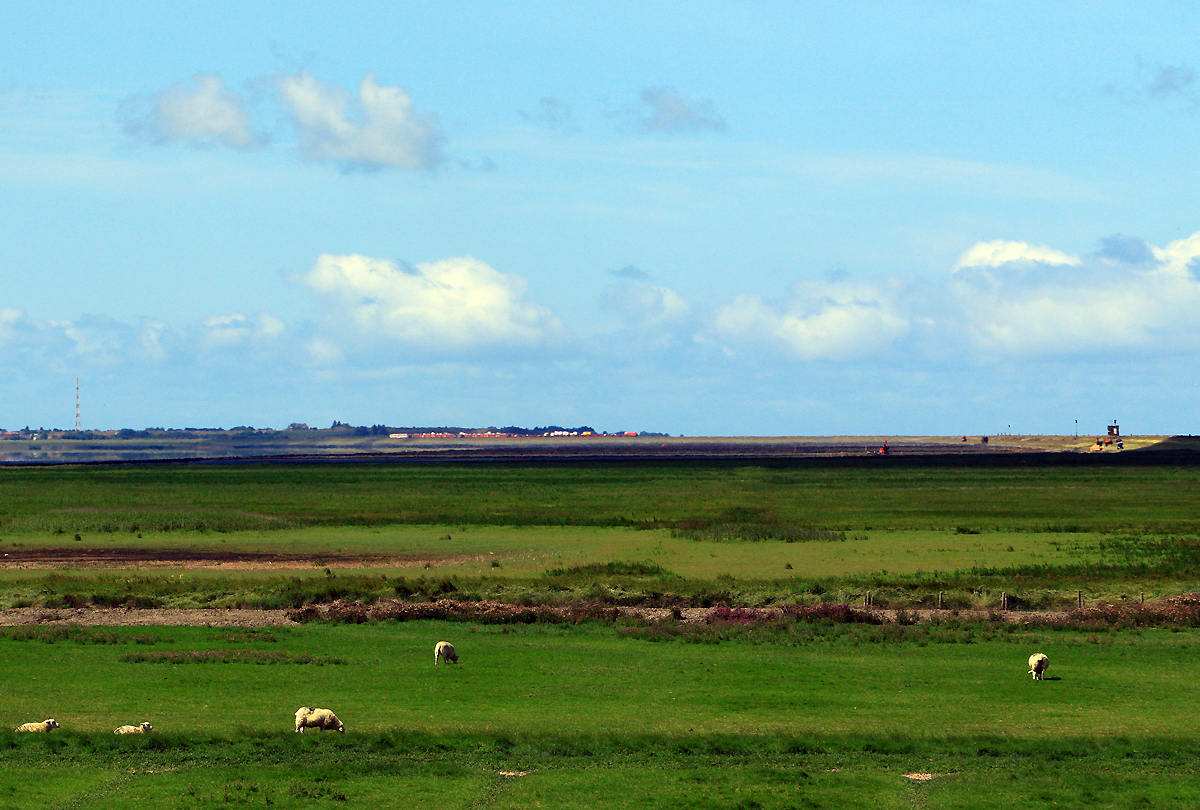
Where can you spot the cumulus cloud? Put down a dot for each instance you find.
(202, 112)
(644, 305)
(1130, 296)
(664, 109)
(1000, 252)
(825, 321)
(379, 129)
(451, 306)
(1178, 258)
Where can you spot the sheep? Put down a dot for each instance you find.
(143, 728)
(444, 649)
(44, 727)
(320, 719)
(1038, 664)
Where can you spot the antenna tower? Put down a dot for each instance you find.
(78, 424)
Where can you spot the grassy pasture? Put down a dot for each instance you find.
(602, 715)
(587, 711)
(575, 681)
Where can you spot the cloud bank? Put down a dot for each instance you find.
(1025, 312)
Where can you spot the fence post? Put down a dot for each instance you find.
(940, 599)
(1003, 600)
(1079, 598)
(1143, 594)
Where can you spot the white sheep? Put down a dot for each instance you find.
(45, 726)
(444, 649)
(1038, 664)
(143, 728)
(320, 719)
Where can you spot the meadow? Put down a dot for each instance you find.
(810, 708)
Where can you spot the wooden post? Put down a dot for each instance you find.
(1003, 600)
(1143, 597)
(940, 599)
(1079, 598)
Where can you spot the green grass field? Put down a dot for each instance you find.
(589, 711)
(868, 494)
(601, 714)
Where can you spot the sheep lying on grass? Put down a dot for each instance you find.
(1038, 664)
(45, 726)
(144, 728)
(320, 719)
(444, 649)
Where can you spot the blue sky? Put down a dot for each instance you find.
(694, 218)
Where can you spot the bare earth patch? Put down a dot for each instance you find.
(122, 617)
(153, 558)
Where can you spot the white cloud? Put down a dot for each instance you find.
(454, 305)
(236, 329)
(203, 113)
(1094, 305)
(9, 318)
(826, 321)
(379, 129)
(1177, 258)
(1000, 252)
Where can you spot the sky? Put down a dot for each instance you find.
(804, 218)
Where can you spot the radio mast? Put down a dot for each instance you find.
(78, 424)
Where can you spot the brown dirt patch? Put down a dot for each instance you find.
(122, 617)
(135, 558)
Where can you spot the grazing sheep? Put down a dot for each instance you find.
(444, 649)
(45, 726)
(1038, 664)
(144, 728)
(320, 719)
